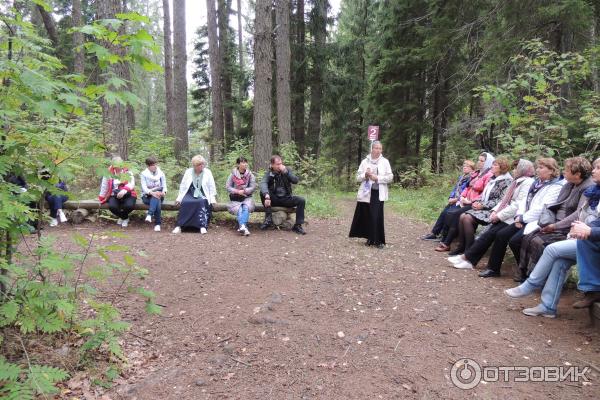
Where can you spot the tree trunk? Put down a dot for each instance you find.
(283, 71)
(215, 82)
(319, 26)
(241, 89)
(168, 45)
(79, 58)
(262, 86)
(49, 24)
(226, 68)
(180, 81)
(115, 121)
(299, 78)
(435, 113)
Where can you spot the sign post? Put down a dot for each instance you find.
(373, 133)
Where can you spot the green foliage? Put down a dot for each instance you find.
(21, 383)
(528, 109)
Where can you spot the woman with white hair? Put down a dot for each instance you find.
(118, 190)
(197, 192)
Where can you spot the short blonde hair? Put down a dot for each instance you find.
(197, 160)
(551, 164)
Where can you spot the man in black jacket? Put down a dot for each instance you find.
(276, 190)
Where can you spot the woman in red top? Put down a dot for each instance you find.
(471, 194)
(118, 189)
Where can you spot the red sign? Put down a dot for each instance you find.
(373, 132)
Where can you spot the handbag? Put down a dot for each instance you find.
(548, 215)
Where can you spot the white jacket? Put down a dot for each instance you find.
(208, 185)
(508, 213)
(384, 177)
(547, 195)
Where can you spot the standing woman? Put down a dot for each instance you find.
(118, 189)
(197, 192)
(374, 175)
(240, 186)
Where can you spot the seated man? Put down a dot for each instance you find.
(276, 190)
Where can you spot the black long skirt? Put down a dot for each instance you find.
(368, 220)
(193, 212)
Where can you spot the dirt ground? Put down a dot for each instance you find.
(281, 316)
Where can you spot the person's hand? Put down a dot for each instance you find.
(177, 202)
(494, 217)
(121, 193)
(518, 225)
(477, 206)
(282, 169)
(464, 201)
(267, 202)
(452, 201)
(374, 178)
(549, 228)
(241, 192)
(580, 230)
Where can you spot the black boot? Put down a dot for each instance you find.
(268, 221)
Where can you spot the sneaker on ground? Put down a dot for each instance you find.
(245, 230)
(125, 223)
(202, 231)
(62, 216)
(455, 259)
(156, 228)
(515, 292)
(119, 221)
(53, 222)
(177, 230)
(463, 265)
(148, 218)
(539, 310)
(429, 236)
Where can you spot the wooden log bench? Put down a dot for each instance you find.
(82, 208)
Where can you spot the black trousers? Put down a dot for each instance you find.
(121, 207)
(440, 226)
(290, 201)
(498, 236)
(452, 221)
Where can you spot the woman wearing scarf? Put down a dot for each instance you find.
(570, 200)
(543, 190)
(374, 175)
(482, 209)
(118, 189)
(470, 195)
(197, 192)
(154, 190)
(240, 186)
(469, 173)
(551, 271)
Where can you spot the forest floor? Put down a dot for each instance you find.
(277, 315)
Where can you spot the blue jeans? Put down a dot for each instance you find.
(154, 207)
(55, 202)
(550, 272)
(243, 215)
(588, 265)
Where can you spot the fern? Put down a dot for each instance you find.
(22, 384)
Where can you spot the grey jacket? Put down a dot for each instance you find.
(572, 200)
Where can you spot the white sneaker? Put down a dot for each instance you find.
(62, 216)
(455, 259)
(53, 222)
(125, 223)
(516, 292)
(156, 228)
(244, 230)
(148, 218)
(240, 228)
(539, 310)
(119, 221)
(464, 264)
(177, 230)
(202, 231)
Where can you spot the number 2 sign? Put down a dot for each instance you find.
(373, 132)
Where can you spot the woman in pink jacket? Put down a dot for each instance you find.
(471, 194)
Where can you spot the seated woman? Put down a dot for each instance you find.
(570, 200)
(154, 190)
(481, 210)
(118, 189)
(197, 192)
(240, 186)
(55, 202)
(543, 190)
(468, 169)
(471, 194)
(550, 272)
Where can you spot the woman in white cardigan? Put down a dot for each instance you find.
(374, 175)
(197, 192)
